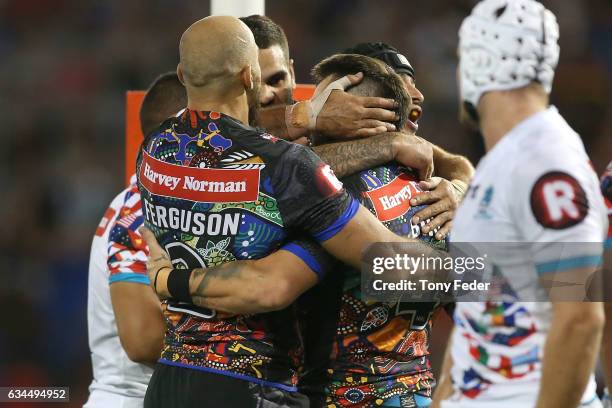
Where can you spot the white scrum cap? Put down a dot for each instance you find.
(506, 44)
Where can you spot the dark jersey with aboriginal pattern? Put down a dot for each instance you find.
(215, 191)
(379, 351)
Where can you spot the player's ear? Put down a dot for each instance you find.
(179, 73)
(246, 76)
(292, 72)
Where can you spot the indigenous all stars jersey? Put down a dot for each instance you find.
(215, 191)
(117, 255)
(534, 189)
(381, 350)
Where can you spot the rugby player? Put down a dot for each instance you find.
(535, 186)
(278, 83)
(215, 190)
(336, 320)
(123, 314)
(453, 171)
(340, 115)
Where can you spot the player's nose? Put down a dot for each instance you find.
(267, 95)
(416, 95)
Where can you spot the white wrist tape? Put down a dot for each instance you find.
(315, 105)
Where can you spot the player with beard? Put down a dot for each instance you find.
(123, 316)
(340, 114)
(379, 350)
(536, 190)
(341, 118)
(336, 315)
(215, 190)
(455, 171)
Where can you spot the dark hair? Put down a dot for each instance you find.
(385, 53)
(266, 32)
(165, 97)
(379, 79)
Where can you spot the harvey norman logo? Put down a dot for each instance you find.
(393, 199)
(198, 184)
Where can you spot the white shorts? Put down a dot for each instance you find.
(105, 399)
(467, 403)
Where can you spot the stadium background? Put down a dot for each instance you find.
(65, 66)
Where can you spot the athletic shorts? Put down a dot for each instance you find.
(176, 387)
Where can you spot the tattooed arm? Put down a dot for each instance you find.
(342, 115)
(239, 287)
(350, 157)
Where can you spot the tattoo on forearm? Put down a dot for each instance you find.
(350, 157)
(201, 277)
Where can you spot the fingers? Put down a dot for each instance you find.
(154, 249)
(373, 102)
(431, 183)
(437, 222)
(380, 114)
(438, 207)
(350, 80)
(426, 172)
(373, 123)
(354, 79)
(445, 230)
(367, 132)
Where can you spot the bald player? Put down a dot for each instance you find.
(215, 190)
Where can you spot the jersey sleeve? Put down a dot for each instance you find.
(558, 209)
(312, 254)
(310, 197)
(127, 254)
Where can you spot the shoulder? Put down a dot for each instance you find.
(113, 211)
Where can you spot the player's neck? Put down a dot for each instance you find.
(500, 112)
(234, 106)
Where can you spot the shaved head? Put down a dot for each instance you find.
(215, 50)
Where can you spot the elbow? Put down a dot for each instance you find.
(589, 321)
(144, 348)
(277, 294)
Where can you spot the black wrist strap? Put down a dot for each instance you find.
(178, 284)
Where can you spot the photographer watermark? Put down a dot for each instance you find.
(485, 272)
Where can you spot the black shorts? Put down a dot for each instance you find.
(176, 387)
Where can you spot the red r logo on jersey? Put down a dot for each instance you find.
(558, 201)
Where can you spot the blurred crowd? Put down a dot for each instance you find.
(65, 66)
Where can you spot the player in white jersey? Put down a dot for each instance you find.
(534, 188)
(123, 313)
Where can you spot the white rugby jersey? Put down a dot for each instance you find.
(535, 187)
(117, 254)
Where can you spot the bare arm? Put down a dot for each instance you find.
(352, 156)
(444, 389)
(273, 282)
(452, 166)
(272, 118)
(577, 327)
(139, 320)
(606, 348)
(239, 287)
(338, 115)
(364, 230)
